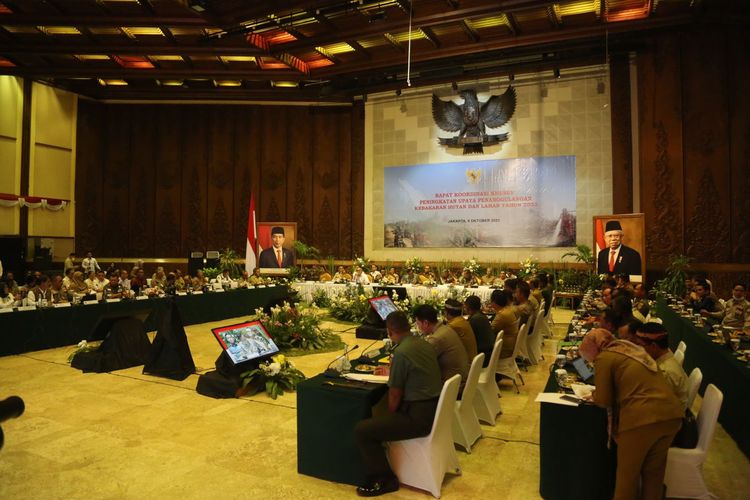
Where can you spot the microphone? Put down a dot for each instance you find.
(332, 372)
(364, 358)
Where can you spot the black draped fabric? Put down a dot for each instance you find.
(170, 354)
(125, 345)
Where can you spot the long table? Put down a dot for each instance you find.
(24, 331)
(574, 461)
(308, 288)
(719, 366)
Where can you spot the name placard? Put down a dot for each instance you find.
(90, 302)
(219, 290)
(61, 304)
(181, 293)
(6, 310)
(199, 292)
(141, 297)
(27, 308)
(109, 301)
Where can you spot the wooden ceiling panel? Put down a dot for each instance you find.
(342, 48)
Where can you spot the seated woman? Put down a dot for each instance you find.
(6, 298)
(324, 275)
(645, 414)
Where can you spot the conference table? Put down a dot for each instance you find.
(327, 411)
(45, 328)
(720, 367)
(307, 289)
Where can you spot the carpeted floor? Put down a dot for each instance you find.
(126, 435)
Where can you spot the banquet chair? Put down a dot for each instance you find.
(466, 428)
(508, 368)
(684, 474)
(486, 401)
(423, 462)
(534, 341)
(551, 320)
(679, 356)
(682, 346)
(544, 322)
(694, 383)
(522, 345)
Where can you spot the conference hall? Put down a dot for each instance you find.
(331, 249)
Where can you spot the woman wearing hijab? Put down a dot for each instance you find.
(644, 412)
(77, 285)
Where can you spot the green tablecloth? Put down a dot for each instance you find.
(326, 417)
(719, 366)
(24, 331)
(574, 462)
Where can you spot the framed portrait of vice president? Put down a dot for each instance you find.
(620, 245)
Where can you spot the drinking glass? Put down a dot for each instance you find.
(560, 360)
(735, 344)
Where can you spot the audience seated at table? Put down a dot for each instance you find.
(641, 304)
(255, 279)
(703, 302)
(737, 308)
(341, 275)
(159, 278)
(180, 280)
(645, 414)
(324, 275)
(505, 320)
(481, 326)
(451, 353)
(468, 279)
(536, 290)
(138, 283)
(375, 274)
(524, 308)
(410, 278)
(11, 282)
(40, 292)
(170, 286)
(68, 278)
(653, 337)
(7, 299)
(623, 284)
(360, 277)
(223, 278)
(414, 386)
(78, 286)
(446, 277)
(454, 319)
(59, 292)
(113, 289)
(546, 290)
(391, 277)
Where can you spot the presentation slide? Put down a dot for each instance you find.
(521, 202)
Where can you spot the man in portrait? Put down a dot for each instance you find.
(617, 258)
(276, 256)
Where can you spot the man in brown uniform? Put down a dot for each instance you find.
(504, 320)
(453, 318)
(646, 414)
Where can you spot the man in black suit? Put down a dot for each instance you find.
(276, 256)
(617, 258)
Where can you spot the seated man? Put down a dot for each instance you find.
(505, 320)
(375, 274)
(138, 284)
(524, 308)
(342, 275)
(536, 291)
(113, 289)
(224, 278)
(641, 303)
(450, 351)
(159, 278)
(360, 277)
(323, 275)
(11, 282)
(704, 302)
(180, 281)
(59, 292)
(255, 278)
(410, 278)
(40, 292)
(546, 291)
(391, 277)
(453, 319)
(654, 339)
(737, 309)
(481, 327)
(414, 386)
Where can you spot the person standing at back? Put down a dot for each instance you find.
(89, 264)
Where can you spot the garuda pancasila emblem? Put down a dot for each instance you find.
(472, 118)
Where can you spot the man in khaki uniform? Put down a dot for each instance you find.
(450, 351)
(453, 318)
(737, 309)
(505, 320)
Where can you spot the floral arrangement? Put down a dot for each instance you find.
(351, 304)
(292, 328)
(211, 272)
(83, 346)
(529, 267)
(364, 263)
(472, 265)
(275, 376)
(414, 264)
(320, 298)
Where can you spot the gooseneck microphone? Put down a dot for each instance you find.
(332, 372)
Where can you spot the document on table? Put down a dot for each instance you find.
(366, 377)
(553, 397)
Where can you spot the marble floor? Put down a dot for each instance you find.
(127, 435)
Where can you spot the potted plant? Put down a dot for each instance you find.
(228, 262)
(676, 274)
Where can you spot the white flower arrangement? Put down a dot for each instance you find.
(472, 265)
(414, 264)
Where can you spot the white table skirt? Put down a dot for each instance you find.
(308, 288)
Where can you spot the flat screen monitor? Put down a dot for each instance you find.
(245, 341)
(583, 369)
(383, 305)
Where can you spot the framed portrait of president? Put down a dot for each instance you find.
(276, 246)
(620, 245)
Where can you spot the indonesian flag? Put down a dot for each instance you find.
(600, 243)
(250, 257)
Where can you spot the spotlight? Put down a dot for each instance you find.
(454, 86)
(557, 73)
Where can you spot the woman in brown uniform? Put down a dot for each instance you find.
(644, 413)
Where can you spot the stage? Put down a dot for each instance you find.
(128, 435)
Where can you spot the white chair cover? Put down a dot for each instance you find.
(679, 356)
(466, 428)
(534, 342)
(423, 462)
(694, 383)
(543, 323)
(684, 475)
(486, 402)
(507, 367)
(521, 349)
(682, 346)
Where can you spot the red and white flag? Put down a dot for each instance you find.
(250, 257)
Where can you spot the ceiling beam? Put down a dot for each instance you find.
(430, 35)
(470, 32)
(102, 21)
(155, 73)
(142, 49)
(264, 9)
